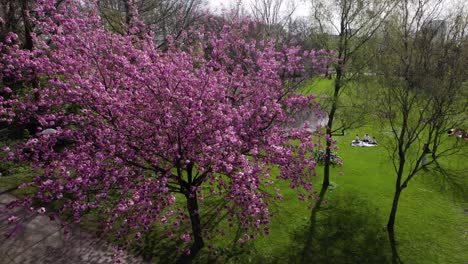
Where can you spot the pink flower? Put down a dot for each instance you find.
(186, 237)
(41, 210)
(12, 219)
(122, 207)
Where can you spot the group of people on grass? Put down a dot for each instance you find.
(366, 139)
(458, 133)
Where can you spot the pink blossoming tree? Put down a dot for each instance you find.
(123, 127)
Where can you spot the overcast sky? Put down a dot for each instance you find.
(303, 7)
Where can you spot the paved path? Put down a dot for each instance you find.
(42, 241)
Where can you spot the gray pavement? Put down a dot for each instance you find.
(42, 241)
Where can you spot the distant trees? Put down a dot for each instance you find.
(302, 31)
(274, 15)
(274, 19)
(163, 17)
(423, 90)
(16, 19)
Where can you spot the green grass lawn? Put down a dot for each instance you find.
(431, 226)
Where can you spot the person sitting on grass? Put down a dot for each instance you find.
(372, 141)
(366, 138)
(356, 139)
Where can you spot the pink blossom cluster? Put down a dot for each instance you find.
(129, 125)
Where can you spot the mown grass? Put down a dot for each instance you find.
(431, 227)
(432, 223)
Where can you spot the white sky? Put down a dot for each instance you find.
(303, 6)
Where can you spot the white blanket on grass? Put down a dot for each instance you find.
(362, 144)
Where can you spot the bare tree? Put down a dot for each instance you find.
(422, 69)
(235, 10)
(301, 31)
(163, 17)
(355, 22)
(275, 15)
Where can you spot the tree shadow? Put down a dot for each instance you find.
(348, 230)
(157, 247)
(447, 180)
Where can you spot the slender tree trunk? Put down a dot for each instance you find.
(9, 16)
(128, 15)
(198, 243)
(391, 226)
(326, 169)
(391, 219)
(393, 212)
(331, 116)
(28, 43)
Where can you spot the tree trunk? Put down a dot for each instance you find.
(391, 225)
(326, 169)
(28, 42)
(198, 243)
(331, 116)
(11, 21)
(128, 15)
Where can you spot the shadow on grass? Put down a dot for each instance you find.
(157, 247)
(347, 230)
(447, 180)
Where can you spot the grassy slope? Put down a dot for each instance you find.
(431, 224)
